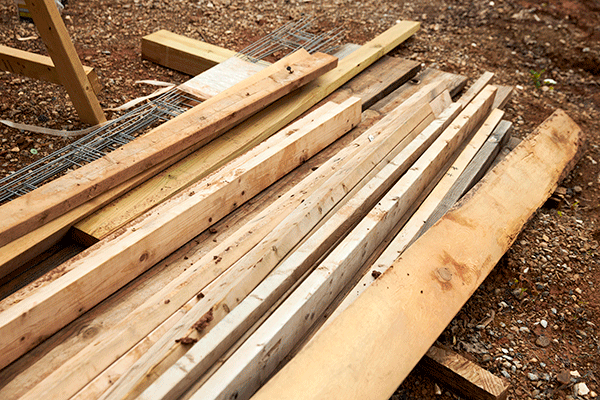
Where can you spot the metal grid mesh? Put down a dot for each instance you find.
(95, 144)
(124, 129)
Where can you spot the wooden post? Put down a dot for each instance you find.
(38, 67)
(54, 34)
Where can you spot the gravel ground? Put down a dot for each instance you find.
(535, 320)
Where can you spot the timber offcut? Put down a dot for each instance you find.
(239, 250)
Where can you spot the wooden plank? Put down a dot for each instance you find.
(374, 344)
(221, 150)
(475, 88)
(257, 358)
(181, 53)
(472, 173)
(195, 127)
(192, 211)
(462, 376)
(265, 123)
(37, 66)
(211, 346)
(53, 32)
(430, 206)
(220, 77)
(175, 291)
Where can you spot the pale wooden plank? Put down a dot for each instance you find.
(463, 376)
(213, 155)
(253, 363)
(195, 127)
(211, 346)
(181, 53)
(373, 345)
(220, 77)
(38, 67)
(196, 209)
(53, 32)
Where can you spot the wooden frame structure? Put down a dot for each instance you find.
(80, 82)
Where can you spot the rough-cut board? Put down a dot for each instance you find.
(220, 77)
(109, 265)
(72, 76)
(221, 150)
(38, 67)
(225, 292)
(464, 377)
(181, 53)
(204, 353)
(374, 344)
(414, 227)
(197, 126)
(258, 357)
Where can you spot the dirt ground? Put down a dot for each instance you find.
(535, 320)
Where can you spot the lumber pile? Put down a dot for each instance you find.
(319, 259)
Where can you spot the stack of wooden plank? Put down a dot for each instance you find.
(294, 250)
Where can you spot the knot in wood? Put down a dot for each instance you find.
(445, 274)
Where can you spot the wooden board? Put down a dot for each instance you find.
(54, 33)
(110, 265)
(181, 53)
(54, 353)
(250, 366)
(195, 127)
(220, 77)
(414, 227)
(373, 345)
(174, 179)
(210, 347)
(39, 67)
(462, 376)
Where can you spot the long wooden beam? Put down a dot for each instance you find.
(211, 346)
(257, 358)
(181, 53)
(231, 287)
(197, 165)
(54, 33)
(374, 344)
(110, 265)
(197, 126)
(39, 67)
